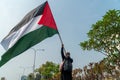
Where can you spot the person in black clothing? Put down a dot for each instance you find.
(66, 74)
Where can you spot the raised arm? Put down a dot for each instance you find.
(62, 52)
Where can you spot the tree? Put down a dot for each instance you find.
(30, 76)
(48, 70)
(104, 36)
(3, 78)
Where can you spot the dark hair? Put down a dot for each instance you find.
(68, 53)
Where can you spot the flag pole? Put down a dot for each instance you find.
(61, 40)
(59, 36)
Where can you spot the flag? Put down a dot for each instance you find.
(36, 26)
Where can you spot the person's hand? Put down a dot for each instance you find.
(62, 45)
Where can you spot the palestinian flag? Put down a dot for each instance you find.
(36, 26)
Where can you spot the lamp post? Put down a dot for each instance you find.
(35, 51)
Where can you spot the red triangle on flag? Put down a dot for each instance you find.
(47, 18)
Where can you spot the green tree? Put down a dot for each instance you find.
(104, 35)
(48, 70)
(30, 76)
(3, 78)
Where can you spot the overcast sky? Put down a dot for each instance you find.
(73, 18)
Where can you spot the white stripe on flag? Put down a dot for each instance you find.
(27, 28)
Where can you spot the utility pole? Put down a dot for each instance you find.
(35, 51)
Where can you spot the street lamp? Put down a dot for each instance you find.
(35, 51)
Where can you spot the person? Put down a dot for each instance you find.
(66, 72)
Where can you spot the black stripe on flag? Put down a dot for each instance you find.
(34, 13)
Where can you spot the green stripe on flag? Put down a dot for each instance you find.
(26, 42)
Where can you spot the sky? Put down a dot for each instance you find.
(73, 19)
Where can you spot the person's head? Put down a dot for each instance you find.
(67, 54)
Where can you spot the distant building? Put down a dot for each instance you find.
(24, 77)
(38, 76)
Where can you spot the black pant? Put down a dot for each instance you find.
(66, 75)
